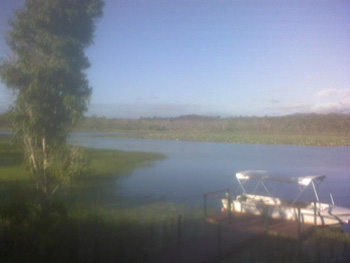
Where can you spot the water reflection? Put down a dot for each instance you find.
(193, 168)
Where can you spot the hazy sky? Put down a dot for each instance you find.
(215, 57)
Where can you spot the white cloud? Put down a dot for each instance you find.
(332, 107)
(333, 93)
(332, 100)
(325, 101)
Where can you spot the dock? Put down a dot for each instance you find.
(259, 224)
(223, 235)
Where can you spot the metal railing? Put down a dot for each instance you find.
(220, 194)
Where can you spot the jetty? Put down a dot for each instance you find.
(244, 217)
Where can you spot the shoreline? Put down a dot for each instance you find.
(323, 140)
(239, 138)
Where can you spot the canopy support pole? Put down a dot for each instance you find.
(240, 183)
(267, 190)
(300, 193)
(256, 188)
(315, 191)
(330, 193)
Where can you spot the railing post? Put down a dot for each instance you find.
(145, 256)
(179, 232)
(219, 240)
(96, 249)
(266, 212)
(315, 214)
(229, 207)
(299, 223)
(205, 206)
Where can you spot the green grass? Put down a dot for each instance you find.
(107, 163)
(325, 244)
(103, 165)
(11, 164)
(86, 222)
(243, 138)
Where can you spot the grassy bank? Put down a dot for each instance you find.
(86, 223)
(243, 138)
(302, 129)
(319, 245)
(104, 166)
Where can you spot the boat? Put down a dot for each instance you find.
(312, 211)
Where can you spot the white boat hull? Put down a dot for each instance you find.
(277, 208)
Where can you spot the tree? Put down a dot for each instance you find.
(46, 71)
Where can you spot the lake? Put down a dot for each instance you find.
(194, 168)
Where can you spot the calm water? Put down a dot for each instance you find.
(193, 168)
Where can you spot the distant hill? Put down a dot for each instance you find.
(291, 124)
(183, 117)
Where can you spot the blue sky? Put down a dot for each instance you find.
(215, 57)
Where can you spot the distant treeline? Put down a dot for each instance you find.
(331, 124)
(336, 124)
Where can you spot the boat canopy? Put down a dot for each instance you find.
(263, 175)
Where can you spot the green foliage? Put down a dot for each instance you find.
(12, 168)
(252, 138)
(307, 124)
(88, 234)
(70, 162)
(326, 236)
(104, 163)
(325, 244)
(311, 129)
(46, 70)
(5, 123)
(78, 224)
(48, 39)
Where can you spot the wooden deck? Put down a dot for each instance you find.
(257, 224)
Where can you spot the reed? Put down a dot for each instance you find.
(86, 222)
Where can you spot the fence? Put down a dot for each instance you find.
(145, 241)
